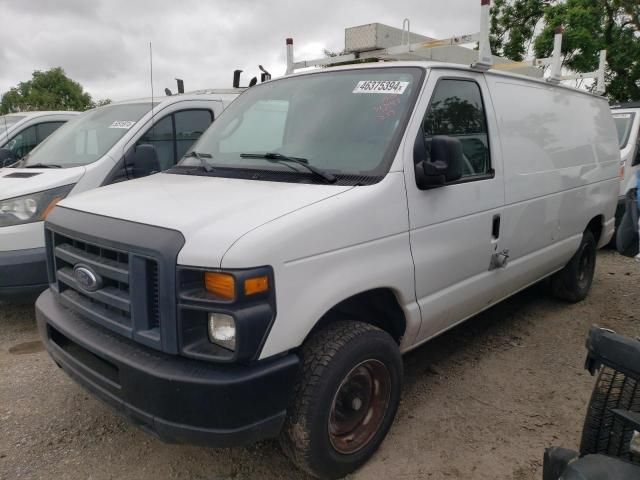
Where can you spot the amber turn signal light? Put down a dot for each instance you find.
(47, 210)
(256, 285)
(221, 285)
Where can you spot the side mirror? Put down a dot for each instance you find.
(144, 161)
(7, 157)
(442, 165)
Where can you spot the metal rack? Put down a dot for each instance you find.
(451, 50)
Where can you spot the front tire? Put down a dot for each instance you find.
(573, 282)
(345, 399)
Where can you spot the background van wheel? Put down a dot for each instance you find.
(603, 432)
(345, 399)
(573, 282)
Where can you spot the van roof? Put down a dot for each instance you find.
(206, 94)
(615, 106)
(42, 113)
(448, 66)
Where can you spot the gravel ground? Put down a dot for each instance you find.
(480, 402)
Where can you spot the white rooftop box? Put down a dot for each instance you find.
(376, 36)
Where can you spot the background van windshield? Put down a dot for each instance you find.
(341, 121)
(624, 122)
(88, 137)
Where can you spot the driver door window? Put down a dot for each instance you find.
(456, 110)
(46, 129)
(23, 142)
(174, 134)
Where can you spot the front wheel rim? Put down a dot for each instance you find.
(586, 267)
(359, 406)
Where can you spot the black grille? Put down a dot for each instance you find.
(112, 305)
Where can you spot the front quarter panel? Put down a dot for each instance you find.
(327, 252)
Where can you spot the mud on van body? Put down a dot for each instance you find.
(331, 221)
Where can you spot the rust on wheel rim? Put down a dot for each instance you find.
(359, 406)
(586, 266)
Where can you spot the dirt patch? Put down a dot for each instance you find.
(25, 348)
(480, 402)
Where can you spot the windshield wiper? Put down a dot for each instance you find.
(200, 156)
(43, 165)
(278, 157)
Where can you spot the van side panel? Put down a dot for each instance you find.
(561, 163)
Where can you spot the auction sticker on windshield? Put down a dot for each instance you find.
(381, 86)
(122, 124)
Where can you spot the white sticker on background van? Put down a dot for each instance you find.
(122, 124)
(392, 87)
(622, 115)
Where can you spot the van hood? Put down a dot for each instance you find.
(219, 210)
(15, 182)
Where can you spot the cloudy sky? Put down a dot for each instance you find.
(104, 44)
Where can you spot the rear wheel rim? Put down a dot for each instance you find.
(359, 406)
(586, 265)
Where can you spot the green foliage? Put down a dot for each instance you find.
(521, 27)
(50, 90)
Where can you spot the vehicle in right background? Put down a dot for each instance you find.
(610, 445)
(627, 119)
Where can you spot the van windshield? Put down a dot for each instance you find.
(347, 123)
(624, 122)
(87, 137)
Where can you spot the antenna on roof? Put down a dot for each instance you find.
(4, 118)
(151, 77)
(485, 58)
(180, 83)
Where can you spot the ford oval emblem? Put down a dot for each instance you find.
(86, 278)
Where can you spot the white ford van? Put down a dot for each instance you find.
(325, 224)
(627, 120)
(100, 147)
(22, 132)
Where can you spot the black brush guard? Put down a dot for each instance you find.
(622, 354)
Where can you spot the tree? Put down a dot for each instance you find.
(521, 27)
(50, 90)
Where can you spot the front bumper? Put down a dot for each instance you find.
(178, 399)
(23, 273)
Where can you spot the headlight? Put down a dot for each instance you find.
(222, 330)
(31, 208)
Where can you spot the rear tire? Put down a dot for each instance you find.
(603, 432)
(345, 399)
(573, 282)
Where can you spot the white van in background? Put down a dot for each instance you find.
(22, 132)
(327, 222)
(627, 119)
(109, 144)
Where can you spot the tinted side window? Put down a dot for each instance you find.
(456, 110)
(189, 126)
(23, 142)
(161, 136)
(43, 130)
